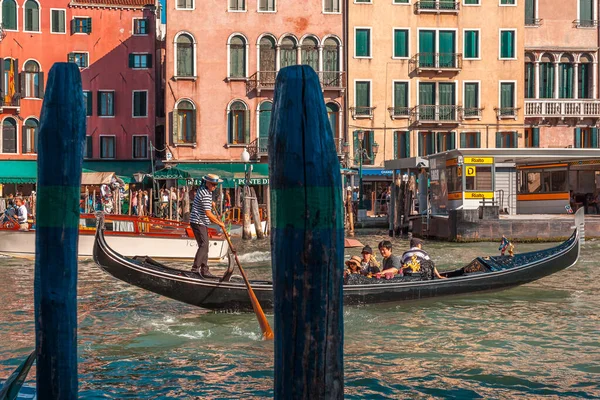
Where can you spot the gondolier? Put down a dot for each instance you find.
(200, 218)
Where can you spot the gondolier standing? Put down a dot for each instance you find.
(200, 218)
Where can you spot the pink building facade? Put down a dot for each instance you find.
(112, 41)
(222, 58)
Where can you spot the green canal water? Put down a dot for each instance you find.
(541, 340)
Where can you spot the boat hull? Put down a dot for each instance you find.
(21, 243)
(188, 288)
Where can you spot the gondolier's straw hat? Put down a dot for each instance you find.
(212, 178)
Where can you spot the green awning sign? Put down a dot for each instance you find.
(252, 181)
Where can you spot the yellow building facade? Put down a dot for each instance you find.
(430, 76)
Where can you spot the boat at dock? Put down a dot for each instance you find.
(481, 274)
(128, 235)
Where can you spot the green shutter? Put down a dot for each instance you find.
(529, 12)
(546, 80)
(99, 98)
(363, 42)
(471, 44)
(535, 132)
(131, 60)
(506, 95)
(566, 81)
(498, 140)
(529, 81)
(426, 48)
(471, 97)
(400, 94)
(447, 49)
(515, 139)
(356, 144)
(426, 93)
(430, 143)
(362, 94)
(578, 138)
(463, 140)
(478, 140)
(400, 43)
(507, 44)
(595, 137)
(396, 149)
(89, 26)
(583, 80)
(451, 141)
(586, 12)
(9, 14)
(407, 144)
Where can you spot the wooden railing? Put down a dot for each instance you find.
(562, 108)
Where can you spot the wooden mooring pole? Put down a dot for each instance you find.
(307, 241)
(60, 157)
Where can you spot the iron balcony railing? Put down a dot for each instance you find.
(436, 62)
(533, 21)
(471, 112)
(362, 112)
(10, 101)
(436, 113)
(265, 80)
(441, 6)
(399, 112)
(585, 23)
(562, 108)
(506, 112)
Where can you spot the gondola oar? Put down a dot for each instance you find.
(260, 315)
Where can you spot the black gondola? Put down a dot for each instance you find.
(483, 273)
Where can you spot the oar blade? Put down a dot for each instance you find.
(12, 386)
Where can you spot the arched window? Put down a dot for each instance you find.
(310, 53)
(30, 135)
(10, 82)
(34, 80)
(332, 76)
(9, 136)
(9, 14)
(237, 57)
(529, 76)
(585, 77)
(267, 66)
(565, 77)
(288, 52)
(264, 120)
(32, 16)
(184, 123)
(333, 114)
(547, 77)
(185, 56)
(238, 124)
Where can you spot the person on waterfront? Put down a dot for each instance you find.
(416, 251)
(391, 263)
(200, 218)
(22, 214)
(369, 264)
(134, 203)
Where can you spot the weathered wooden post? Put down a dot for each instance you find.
(307, 232)
(256, 214)
(60, 158)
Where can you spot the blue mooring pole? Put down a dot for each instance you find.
(307, 242)
(60, 156)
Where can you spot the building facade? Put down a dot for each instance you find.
(222, 58)
(112, 41)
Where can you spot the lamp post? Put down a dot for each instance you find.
(360, 153)
(246, 230)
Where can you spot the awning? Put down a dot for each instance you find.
(20, 172)
(232, 173)
(99, 178)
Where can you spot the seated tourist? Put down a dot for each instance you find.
(416, 253)
(369, 264)
(353, 265)
(391, 264)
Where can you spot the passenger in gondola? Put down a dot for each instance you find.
(415, 257)
(392, 264)
(369, 264)
(353, 266)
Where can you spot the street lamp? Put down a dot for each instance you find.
(360, 153)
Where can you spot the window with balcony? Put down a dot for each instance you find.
(288, 53)
(310, 53)
(266, 6)
(140, 147)
(237, 57)
(471, 106)
(87, 99)
(565, 78)
(332, 76)
(437, 49)
(586, 138)
(33, 80)
(531, 13)
(402, 144)
(237, 5)
(401, 43)
(185, 4)
(362, 41)
(426, 143)
(264, 120)
(238, 123)
(30, 135)
(471, 44)
(184, 123)
(586, 15)
(401, 104)
(331, 6)
(508, 44)
(506, 140)
(546, 77)
(81, 59)
(9, 136)
(32, 16)
(81, 25)
(89, 147)
(532, 137)
(437, 106)
(106, 103)
(184, 54)
(58, 21)
(107, 146)
(367, 145)
(362, 99)
(140, 103)
(470, 140)
(140, 61)
(141, 26)
(9, 15)
(445, 141)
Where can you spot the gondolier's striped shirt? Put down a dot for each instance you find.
(202, 204)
